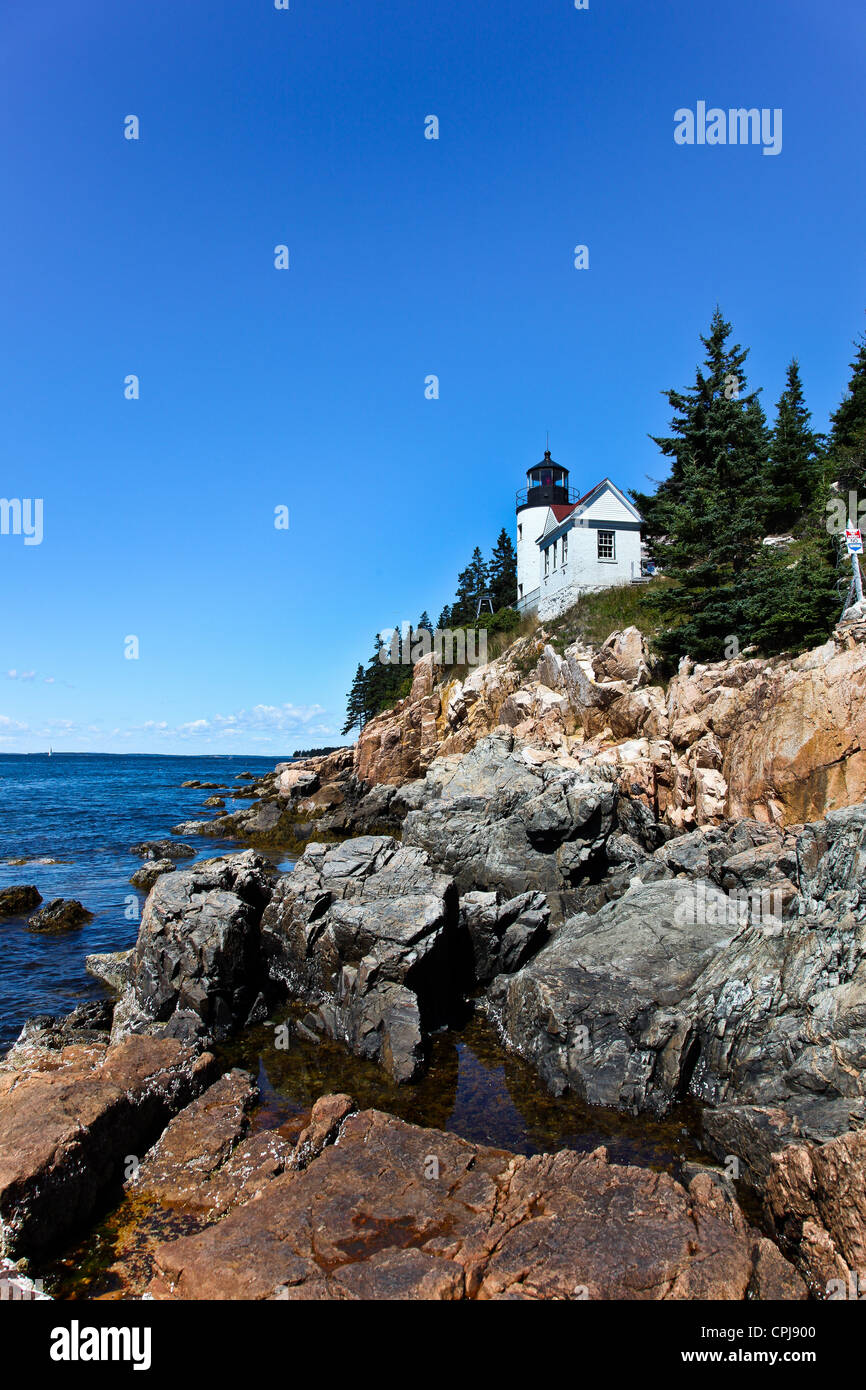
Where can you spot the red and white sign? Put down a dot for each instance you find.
(854, 541)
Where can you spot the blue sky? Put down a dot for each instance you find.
(408, 257)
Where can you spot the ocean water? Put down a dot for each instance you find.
(86, 810)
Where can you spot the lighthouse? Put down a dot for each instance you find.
(546, 486)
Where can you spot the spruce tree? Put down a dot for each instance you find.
(794, 466)
(425, 622)
(356, 704)
(791, 597)
(847, 444)
(379, 680)
(502, 573)
(471, 584)
(706, 520)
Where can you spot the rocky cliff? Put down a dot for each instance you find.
(781, 741)
(654, 895)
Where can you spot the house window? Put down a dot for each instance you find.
(520, 591)
(520, 533)
(554, 554)
(547, 562)
(606, 550)
(564, 550)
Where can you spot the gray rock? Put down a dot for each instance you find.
(60, 915)
(367, 931)
(493, 821)
(87, 1023)
(678, 987)
(163, 849)
(504, 932)
(596, 1009)
(111, 968)
(145, 877)
(195, 968)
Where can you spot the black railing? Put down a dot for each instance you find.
(550, 493)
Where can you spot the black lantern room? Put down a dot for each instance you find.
(546, 485)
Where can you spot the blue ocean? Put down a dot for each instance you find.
(85, 811)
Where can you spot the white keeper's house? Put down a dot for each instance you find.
(569, 545)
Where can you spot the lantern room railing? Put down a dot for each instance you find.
(547, 492)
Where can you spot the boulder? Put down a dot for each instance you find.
(496, 818)
(367, 931)
(87, 1023)
(596, 1009)
(69, 1119)
(163, 849)
(195, 968)
(624, 656)
(21, 898)
(111, 968)
(60, 915)
(297, 781)
(145, 877)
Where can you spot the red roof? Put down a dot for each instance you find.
(561, 510)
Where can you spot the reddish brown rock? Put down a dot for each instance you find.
(69, 1120)
(392, 1211)
(178, 1170)
(816, 1197)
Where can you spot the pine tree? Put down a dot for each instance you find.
(847, 444)
(790, 604)
(445, 619)
(425, 622)
(706, 520)
(356, 705)
(502, 573)
(794, 466)
(378, 679)
(471, 584)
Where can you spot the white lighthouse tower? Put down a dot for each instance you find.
(546, 486)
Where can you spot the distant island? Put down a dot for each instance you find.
(316, 752)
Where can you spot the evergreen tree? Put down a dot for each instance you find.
(445, 619)
(790, 604)
(706, 520)
(425, 622)
(471, 584)
(794, 467)
(378, 681)
(502, 573)
(847, 445)
(356, 705)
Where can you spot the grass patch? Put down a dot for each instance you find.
(595, 616)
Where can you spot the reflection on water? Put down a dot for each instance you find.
(472, 1088)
